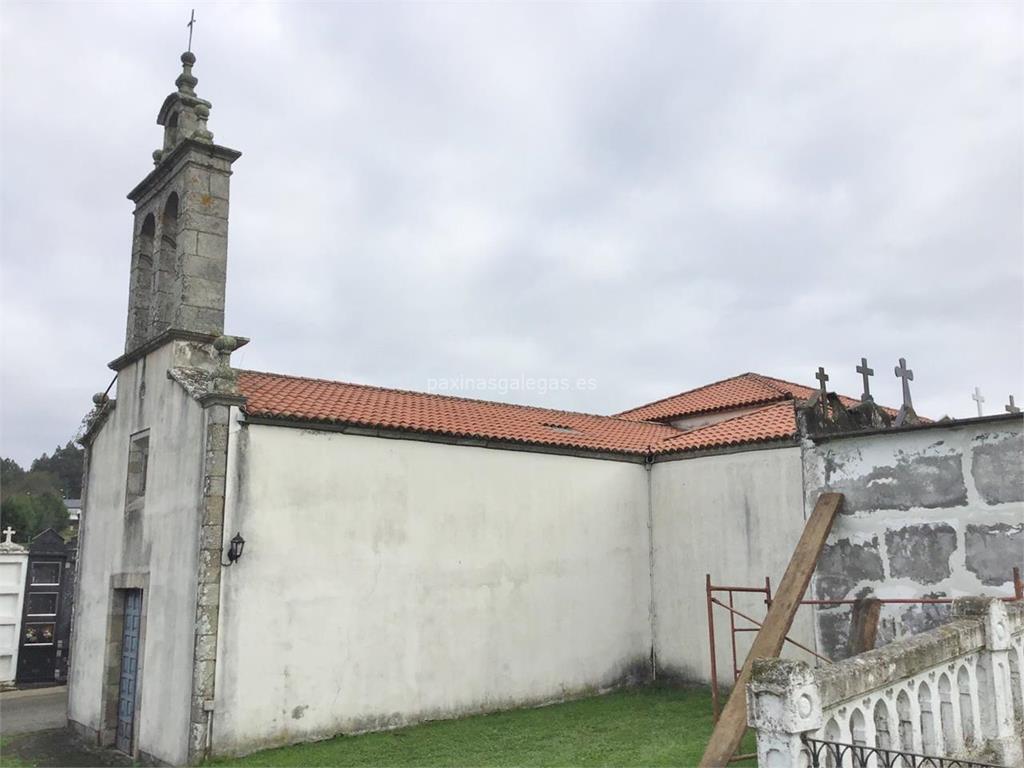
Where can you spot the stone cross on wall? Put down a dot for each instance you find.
(8, 533)
(1012, 406)
(822, 377)
(907, 375)
(978, 398)
(865, 372)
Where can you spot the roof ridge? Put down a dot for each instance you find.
(773, 383)
(777, 380)
(746, 415)
(478, 401)
(684, 392)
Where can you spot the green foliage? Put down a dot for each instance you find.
(10, 471)
(653, 726)
(66, 465)
(31, 513)
(31, 502)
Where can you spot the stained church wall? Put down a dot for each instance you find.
(141, 537)
(934, 513)
(386, 581)
(738, 517)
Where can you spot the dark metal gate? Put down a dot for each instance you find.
(129, 669)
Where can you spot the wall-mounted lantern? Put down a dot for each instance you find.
(235, 550)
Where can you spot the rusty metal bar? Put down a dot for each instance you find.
(711, 642)
(786, 639)
(1018, 585)
(732, 629)
(719, 588)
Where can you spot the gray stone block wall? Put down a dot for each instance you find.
(180, 242)
(179, 272)
(929, 513)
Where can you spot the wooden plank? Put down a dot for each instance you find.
(768, 642)
(864, 625)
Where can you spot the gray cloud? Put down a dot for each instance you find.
(651, 196)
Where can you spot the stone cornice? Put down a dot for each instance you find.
(171, 334)
(169, 165)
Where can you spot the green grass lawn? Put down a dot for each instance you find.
(641, 727)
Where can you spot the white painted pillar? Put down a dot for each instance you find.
(915, 721)
(1000, 730)
(976, 731)
(955, 745)
(870, 736)
(13, 564)
(783, 703)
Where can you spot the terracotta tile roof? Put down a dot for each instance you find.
(773, 422)
(741, 391)
(276, 396)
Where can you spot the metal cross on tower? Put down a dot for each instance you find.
(907, 375)
(865, 372)
(978, 398)
(190, 25)
(1012, 406)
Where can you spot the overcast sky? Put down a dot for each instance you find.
(645, 196)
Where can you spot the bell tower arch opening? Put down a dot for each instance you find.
(179, 254)
(166, 267)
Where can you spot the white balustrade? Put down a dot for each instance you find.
(954, 691)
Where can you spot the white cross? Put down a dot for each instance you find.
(977, 397)
(8, 532)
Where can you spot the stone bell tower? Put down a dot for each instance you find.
(179, 248)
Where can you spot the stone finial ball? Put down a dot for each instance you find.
(99, 398)
(157, 155)
(225, 344)
(188, 58)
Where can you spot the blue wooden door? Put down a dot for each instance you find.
(129, 669)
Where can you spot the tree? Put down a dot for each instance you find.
(10, 472)
(29, 514)
(66, 464)
(31, 502)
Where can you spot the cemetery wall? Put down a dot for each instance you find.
(151, 546)
(933, 511)
(736, 516)
(386, 581)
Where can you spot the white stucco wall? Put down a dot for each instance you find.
(13, 562)
(161, 549)
(738, 517)
(386, 581)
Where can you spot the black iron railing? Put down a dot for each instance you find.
(834, 754)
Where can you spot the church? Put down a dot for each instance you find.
(267, 559)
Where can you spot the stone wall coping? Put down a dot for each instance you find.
(853, 677)
(825, 437)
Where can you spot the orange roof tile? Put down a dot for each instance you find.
(741, 391)
(290, 397)
(635, 432)
(773, 422)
